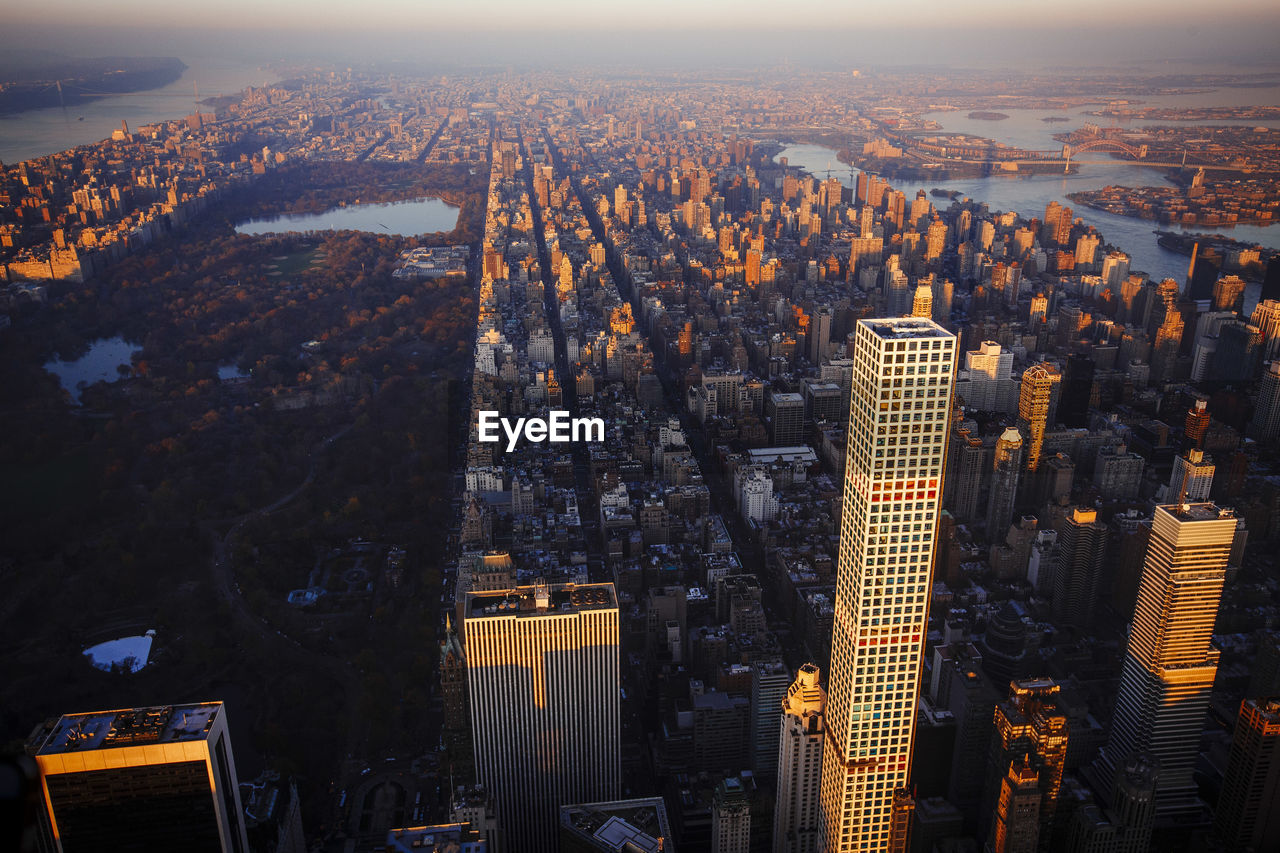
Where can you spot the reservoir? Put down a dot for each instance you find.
(404, 218)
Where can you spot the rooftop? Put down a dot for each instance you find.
(903, 328)
(523, 601)
(1207, 511)
(641, 823)
(130, 727)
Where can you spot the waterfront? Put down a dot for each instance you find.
(405, 218)
(37, 133)
(1029, 194)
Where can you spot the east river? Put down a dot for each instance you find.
(1029, 194)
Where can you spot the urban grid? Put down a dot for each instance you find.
(912, 523)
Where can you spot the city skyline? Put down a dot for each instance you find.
(253, 340)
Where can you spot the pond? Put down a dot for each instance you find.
(129, 654)
(100, 364)
(404, 218)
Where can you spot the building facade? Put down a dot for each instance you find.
(903, 375)
(544, 688)
(159, 778)
(797, 824)
(1170, 663)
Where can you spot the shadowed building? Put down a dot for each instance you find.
(544, 687)
(158, 778)
(1170, 662)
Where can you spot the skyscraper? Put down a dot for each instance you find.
(903, 372)
(543, 680)
(797, 824)
(989, 368)
(730, 818)
(1170, 663)
(769, 680)
(1078, 569)
(1029, 745)
(1006, 465)
(1266, 413)
(1037, 407)
(1246, 816)
(158, 778)
(1192, 477)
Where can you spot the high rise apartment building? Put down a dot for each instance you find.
(903, 374)
(158, 778)
(1170, 663)
(544, 687)
(1247, 817)
(796, 814)
(1037, 407)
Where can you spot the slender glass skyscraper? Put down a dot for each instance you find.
(1170, 662)
(902, 380)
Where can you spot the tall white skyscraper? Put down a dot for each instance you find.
(902, 381)
(544, 685)
(158, 778)
(1170, 662)
(797, 819)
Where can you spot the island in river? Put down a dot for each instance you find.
(987, 115)
(66, 81)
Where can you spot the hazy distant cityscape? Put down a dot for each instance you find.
(780, 455)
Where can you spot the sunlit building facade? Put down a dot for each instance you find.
(159, 778)
(544, 691)
(902, 383)
(1170, 662)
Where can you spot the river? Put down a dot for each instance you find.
(37, 133)
(1028, 195)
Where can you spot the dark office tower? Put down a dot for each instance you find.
(818, 338)
(1202, 274)
(965, 465)
(1239, 353)
(1197, 423)
(769, 681)
(1125, 824)
(1271, 282)
(786, 419)
(1031, 733)
(1077, 391)
(142, 779)
(1265, 680)
(1265, 424)
(1082, 556)
(1247, 816)
(1006, 468)
(1004, 646)
(971, 700)
(1170, 662)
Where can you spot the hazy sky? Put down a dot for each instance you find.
(552, 14)
(498, 32)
